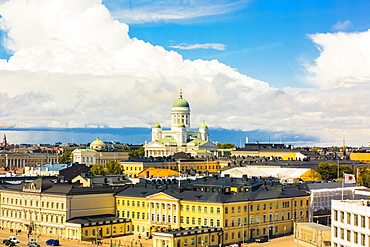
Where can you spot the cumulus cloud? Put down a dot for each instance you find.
(173, 11)
(75, 66)
(343, 60)
(184, 46)
(342, 25)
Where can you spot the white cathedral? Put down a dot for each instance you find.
(180, 138)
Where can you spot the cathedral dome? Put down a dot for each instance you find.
(157, 125)
(97, 144)
(203, 126)
(181, 125)
(180, 102)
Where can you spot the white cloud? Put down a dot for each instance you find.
(73, 71)
(184, 46)
(342, 25)
(343, 60)
(173, 11)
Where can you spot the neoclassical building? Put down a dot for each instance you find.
(180, 138)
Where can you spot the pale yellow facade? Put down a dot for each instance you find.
(240, 221)
(20, 160)
(133, 168)
(91, 157)
(46, 213)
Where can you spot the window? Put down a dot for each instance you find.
(232, 210)
(270, 217)
(193, 220)
(199, 209)
(211, 210)
(193, 208)
(362, 221)
(187, 208)
(264, 206)
(356, 219)
(205, 221)
(239, 209)
(218, 223)
(199, 221)
(245, 208)
(251, 219)
(226, 210)
(138, 204)
(250, 207)
(277, 216)
(205, 210)
(143, 204)
(258, 207)
(211, 222)
(226, 223)
(277, 205)
(270, 205)
(218, 211)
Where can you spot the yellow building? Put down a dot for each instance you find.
(245, 208)
(43, 207)
(189, 236)
(312, 235)
(134, 167)
(361, 157)
(92, 156)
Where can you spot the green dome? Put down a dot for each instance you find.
(180, 102)
(203, 126)
(157, 125)
(181, 125)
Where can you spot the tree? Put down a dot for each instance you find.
(363, 178)
(112, 167)
(225, 145)
(132, 154)
(329, 171)
(96, 169)
(65, 158)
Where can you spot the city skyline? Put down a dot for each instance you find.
(295, 67)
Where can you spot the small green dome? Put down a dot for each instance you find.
(157, 125)
(181, 125)
(180, 102)
(203, 126)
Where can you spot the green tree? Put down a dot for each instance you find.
(65, 158)
(96, 169)
(132, 154)
(226, 146)
(112, 167)
(363, 178)
(329, 171)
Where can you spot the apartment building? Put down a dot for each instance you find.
(350, 223)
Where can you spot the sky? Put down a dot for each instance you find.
(280, 66)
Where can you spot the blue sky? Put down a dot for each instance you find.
(294, 67)
(266, 40)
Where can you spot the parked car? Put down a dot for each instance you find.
(54, 242)
(262, 239)
(33, 244)
(234, 245)
(13, 239)
(7, 242)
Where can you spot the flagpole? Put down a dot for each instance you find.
(343, 185)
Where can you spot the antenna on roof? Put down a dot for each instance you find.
(180, 92)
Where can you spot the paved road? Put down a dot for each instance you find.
(287, 241)
(4, 234)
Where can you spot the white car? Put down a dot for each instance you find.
(13, 239)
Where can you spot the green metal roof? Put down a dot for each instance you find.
(180, 102)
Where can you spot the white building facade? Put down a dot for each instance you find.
(180, 138)
(350, 223)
